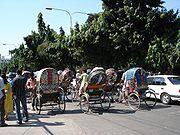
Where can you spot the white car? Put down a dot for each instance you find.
(166, 87)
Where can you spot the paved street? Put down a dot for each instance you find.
(120, 120)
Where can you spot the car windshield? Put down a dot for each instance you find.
(174, 80)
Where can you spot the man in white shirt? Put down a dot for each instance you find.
(2, 96)
(125, 87)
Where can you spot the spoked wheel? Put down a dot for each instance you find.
(134, 101)
(74, 93)
(38, 104)
(117, 96)
(150, 99)
(84, 103)
(105, 101)
(68, 92)
(75, 97)
(62, 102)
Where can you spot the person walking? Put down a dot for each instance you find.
(31, 86)
(19, 93)
(2, 97)
(8, 107)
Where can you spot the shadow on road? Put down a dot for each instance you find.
(120, 111)
(98, 110)
(75, 111)
(157, 106)
(37, 121)
(175, 103)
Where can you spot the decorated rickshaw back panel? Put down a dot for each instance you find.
(95, 89)
(138, 76)
(47, 80)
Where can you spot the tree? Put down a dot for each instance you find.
(138, 32)
(41, 27)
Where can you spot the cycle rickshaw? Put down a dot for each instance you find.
(111, 74)
(138, 89)
(95, 91)
(65, 82)
(48, 90)
(111, 83)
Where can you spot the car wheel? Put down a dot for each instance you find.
(165, 98)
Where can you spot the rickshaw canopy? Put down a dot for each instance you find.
(137, 74)
(97, 76)
(111, 75)
(47, 80)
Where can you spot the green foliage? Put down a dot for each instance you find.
(127, 32)
(41, 26)
(158, 54)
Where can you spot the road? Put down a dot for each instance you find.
(119, 120)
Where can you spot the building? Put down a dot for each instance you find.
(3, 61)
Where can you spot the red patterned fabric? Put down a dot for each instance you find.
(49, 76)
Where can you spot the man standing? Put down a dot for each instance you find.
(19, 93)
(125, 87)
(31, 86)
(2, 97)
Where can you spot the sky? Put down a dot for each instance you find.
(18, 18)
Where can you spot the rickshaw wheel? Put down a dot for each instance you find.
(150, 99)
(117, 96)
(74, 93)
(134, 101)
(69, 91)
(75, 97)
(61, 101)
(84, 103)
(105, 101)
(38, 104)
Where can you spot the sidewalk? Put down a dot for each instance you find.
(43, 124)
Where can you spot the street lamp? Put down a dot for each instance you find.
(63, 11)
(90, 14)
(9, 44)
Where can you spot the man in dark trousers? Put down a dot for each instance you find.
(2, 97)
(19, 93)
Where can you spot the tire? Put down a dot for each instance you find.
(74, 94)
(105, 101)
(117, 95)
(75, 97)
(84, 103)
(134, 101)
(165, 98)
(62, 102)
(150, 99)
(38, 104)
(69, 92)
